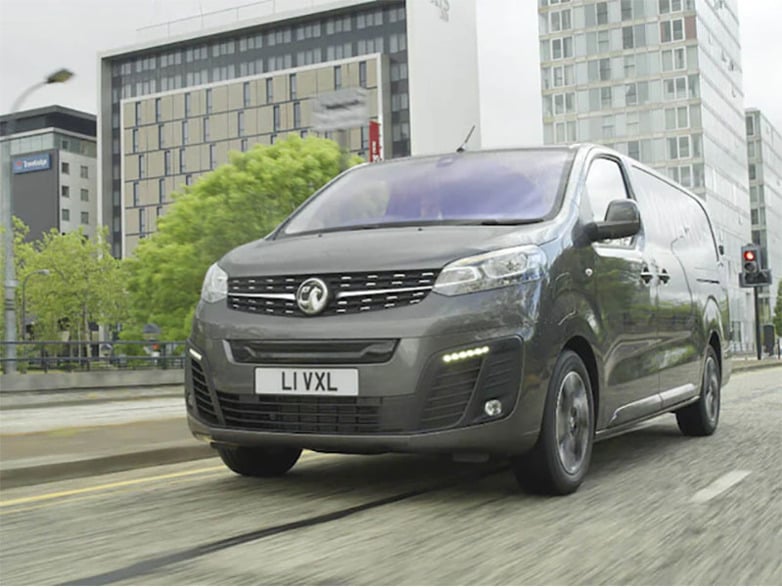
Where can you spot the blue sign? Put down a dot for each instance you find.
(29, 163)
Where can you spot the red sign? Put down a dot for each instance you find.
(374, 141)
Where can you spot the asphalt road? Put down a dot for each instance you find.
(657, 508)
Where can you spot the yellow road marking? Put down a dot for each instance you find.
(55, 495)
(307, 456)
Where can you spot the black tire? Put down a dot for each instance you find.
(547, 468)
(253, 461)
(702, 417)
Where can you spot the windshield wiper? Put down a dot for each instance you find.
(508, 221)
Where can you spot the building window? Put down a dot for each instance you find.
(634, 149)
(667, 6)
(674, 59)
(65, 214)
(65, 168)
(627, 10)
(161, 141)
(244, 145)
(679, 147)
(138, 113)
(161, 190)
(337, 77)
(672, 30)
(135, 140)
(269, 90)
(85, 217)
(292, 86)
(606, 97)
(157, 110)
(605, 69)
(564, 103)
(601, 12)
(209, 101)
(675, 88)
(182, 166)
(362, 74)
(276, 118)
(296, 114)
(188, 180)
(188, 104)
(85, 195)
(212, 156)
(677, 118)
(167, 162)
(141, 165)
(206, 129)
(753, 171)
(240, 123)
(142, 222)
(560, 21)
(135, 194)
(562, 48)
(185, 132)
(65, 191)
(750, 128)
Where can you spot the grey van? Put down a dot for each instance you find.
(517, 303)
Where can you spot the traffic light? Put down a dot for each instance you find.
(752, 274)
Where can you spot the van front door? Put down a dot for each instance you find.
(625, 306)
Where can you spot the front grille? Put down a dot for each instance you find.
(450, 393)
(201, 392)
(351, 292)
(301, 414)
(312, 352)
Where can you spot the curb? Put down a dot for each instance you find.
(21, 476)
(754, 366)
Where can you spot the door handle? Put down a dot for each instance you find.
(664, 276)
(646, 275)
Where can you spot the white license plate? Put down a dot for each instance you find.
(342, 382)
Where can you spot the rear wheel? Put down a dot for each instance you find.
(560, 459)
(259, 461)
(702, 417)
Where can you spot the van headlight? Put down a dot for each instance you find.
(215, 286)
(491, 270)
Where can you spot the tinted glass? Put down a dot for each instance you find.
(506, 187)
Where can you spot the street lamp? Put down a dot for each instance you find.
(24, 299)
(58, 77)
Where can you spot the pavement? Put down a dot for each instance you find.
(51, 436)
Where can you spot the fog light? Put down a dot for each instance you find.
(492, 408)
(465, 354)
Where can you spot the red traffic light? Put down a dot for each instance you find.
(749, 255)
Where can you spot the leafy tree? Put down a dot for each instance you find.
(240, 201)
(85, 283)
(778, 311)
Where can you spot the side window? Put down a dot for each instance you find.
(604, 184)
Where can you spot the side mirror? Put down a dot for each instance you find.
(622, 220)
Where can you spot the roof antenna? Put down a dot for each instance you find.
(463, 146)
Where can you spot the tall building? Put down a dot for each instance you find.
(172, 109)
(659, 80)
(54, 169)
(764, 150)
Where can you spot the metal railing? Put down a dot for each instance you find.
(54, 355)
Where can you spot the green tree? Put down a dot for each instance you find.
(240, 201)
(85, 283)
(778, 311)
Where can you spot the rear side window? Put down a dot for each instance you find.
(674, 218)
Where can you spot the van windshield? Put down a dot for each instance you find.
(499, 187)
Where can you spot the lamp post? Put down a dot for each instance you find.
(24, 299)
(58, 77)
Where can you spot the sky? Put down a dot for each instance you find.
(40, 36)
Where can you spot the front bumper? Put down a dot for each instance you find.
(409, 401)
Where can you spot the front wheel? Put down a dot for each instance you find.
(259, 461)
(702, 417)
(559, 460)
